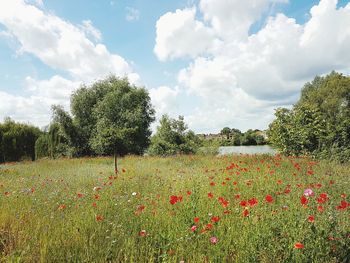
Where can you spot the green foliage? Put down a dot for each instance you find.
(172, 137)
(319, 124)
(42, 147)
(111, 116)
(235, 137)
(17, 141)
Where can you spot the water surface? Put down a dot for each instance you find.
(254, 149)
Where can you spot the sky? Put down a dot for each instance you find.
(216, 62)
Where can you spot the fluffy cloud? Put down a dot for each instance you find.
(164, 99)
(74, 49)
(60, 44)
(245, 76)
(179, 34)
(42, 94)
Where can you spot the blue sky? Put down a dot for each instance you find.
(217, 62)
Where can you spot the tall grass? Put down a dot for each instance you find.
(78, 211)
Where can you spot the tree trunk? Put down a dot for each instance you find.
(115, 162)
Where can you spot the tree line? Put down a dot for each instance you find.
(111, 116)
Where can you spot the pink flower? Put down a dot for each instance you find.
(308, 192)
(194, 228)
(214, 240)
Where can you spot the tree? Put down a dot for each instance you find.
(173, 137)
(319, 123)
(109, 117)
(17, 141)
(123, 117)
(226, 131)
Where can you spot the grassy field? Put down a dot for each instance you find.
(178, 209)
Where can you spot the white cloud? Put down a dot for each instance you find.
(164, 99)
(90, 30)
(132, 14)
(245, 77)
(179, 34)
(36, 107)
(60, 44)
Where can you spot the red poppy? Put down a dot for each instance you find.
(223, 201)
(210, 195)
(174, 199)
(237, 196)
(311, 218)
(343, 205)
(303, 200)
(208, 226)
(194, 228)
(253, 202)
(142, 233)
(94, 205)
(243, 203)
(97, 197)
(80, 195)
(99, 218)
(62, 207)
(320, 208)
(245, 212)
(196, 219)
(215, 219)
(189, 193)
(268, 198)
(298, 245)
(212, 183)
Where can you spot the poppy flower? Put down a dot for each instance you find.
(94, 205)
(320, 208)
(214, 240)
(142, 233)
(343, 205)
(308, 192)
(311, 218)
(268, 198)
(99, 218)
(243, 203)
(196, 219)
(210, 195)
(298, 245)
(194, 228)
(215, 219)
(208, 226)
(245, 212)
(174, 199)
(80, 195)
(253, 202)
(237, 196)
(303, 200)
(62, 207)
(189, 193)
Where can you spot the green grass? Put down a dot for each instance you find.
(48, 215)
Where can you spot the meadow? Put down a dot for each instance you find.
(240, 208)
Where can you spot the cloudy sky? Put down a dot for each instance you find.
(217, 62)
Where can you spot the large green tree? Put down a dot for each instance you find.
(319, 123)
(109, 117)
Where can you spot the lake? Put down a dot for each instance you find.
(254, 149)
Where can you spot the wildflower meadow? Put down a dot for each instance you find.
(239, 208)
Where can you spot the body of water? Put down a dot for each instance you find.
(254, 149)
